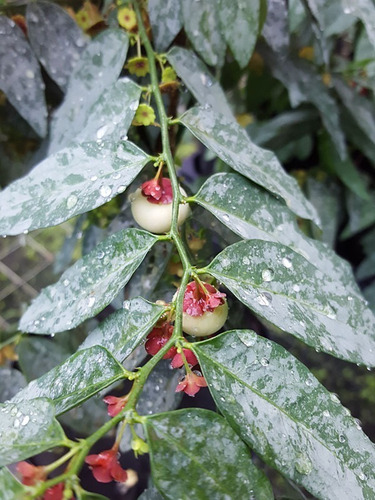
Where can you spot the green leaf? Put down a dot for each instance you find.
(284, 288)
(280, 409)
(231, 143)
(10, 488)
(89, 285)
(362, 109)
(11, 381)
(357, 137)
(253, 213)
(201, 23)
(361, 213)
(82, 375)
(98, 68)
(276, 29)
(304, 84)
(27, 428)
(239, 24)
(70, 182)
(111, 115)
(165, 18)
(365, 11)
(38, 355)
(199, 80)
(195, 454)
(344, 169)
(123, 330)
(56, 39)
(150, 494)
(20, 76)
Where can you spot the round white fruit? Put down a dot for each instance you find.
(155, 217)
(207, 324)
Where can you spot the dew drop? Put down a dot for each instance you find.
(267, 274)
(93, 178)
(264, 362)
(286, 262)
(30, 74)
(121, 189)
(100, 254)
(91, 301)
(100, 133)
(25, 420)
(226, 217)
(296, 288)
(303, 465)
(105, 191)
(342, 438)
(334, 398)
(326, 413)
(71, 201)
(66, 282)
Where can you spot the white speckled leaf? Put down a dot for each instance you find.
(252, 213)
(111, 115)
(239, 22)
(20, 76)
(199, 80)
(165, 18)
(27, 428)
(276, 29)
(281, 410)
(82, 375)
(202, 26)
(56, 39)
(304, 84)
(98, 68)
(365, 11)
(123, 330)
(284, 288)
(231, 143)
(70, 182)
(195, 454)
(89, 285)
(10, 488)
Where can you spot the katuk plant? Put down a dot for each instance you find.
(269, 405)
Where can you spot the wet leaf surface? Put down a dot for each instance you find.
(82, 375)
(187, 462)
(280, 409)
(276, 29)
(165, 18)
(240, 26)
(252, 213)
(284, 288)
(202, 26)
(11, 381)
(199, 80)
(97, 69)
(89, 285)
(123, 330)
(231, 143)
(27, 428)
(20, 76)
(10, 488)
(55, 38)
(70, 182)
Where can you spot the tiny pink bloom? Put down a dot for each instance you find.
(115, 405)
(30, 474)
(105, 466)
(157, 339)
(191, 383)
(54, 493)
(158, 191)
(177, 360)
(198, 300)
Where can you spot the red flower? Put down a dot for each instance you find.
(177, 360)
(105, 466)
(198, 299)
(157, 339)
(31, 474)
(191, 383)
(115, 405)
(158, 190)
(54, 493)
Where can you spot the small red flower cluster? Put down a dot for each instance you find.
(156, 339)
(105, 466)
(158, 191)
(115, 404)
(198, 300)
(32, 474)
